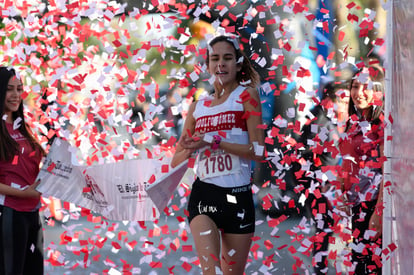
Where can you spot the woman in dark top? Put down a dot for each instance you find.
(21, 236)
(362, 153)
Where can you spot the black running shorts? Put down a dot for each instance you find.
(231, 209)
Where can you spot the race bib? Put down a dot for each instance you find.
(218, 163)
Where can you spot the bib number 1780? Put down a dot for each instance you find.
(218, 165)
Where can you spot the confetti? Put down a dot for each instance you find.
(95, 75)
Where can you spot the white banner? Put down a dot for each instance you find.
(161, 190)
(118, 191)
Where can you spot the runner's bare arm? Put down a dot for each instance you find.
(181, 153)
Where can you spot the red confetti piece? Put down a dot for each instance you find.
(187, 248)
(310, 17)
(269, 140)
(156, 264)
(351, 18)
(298, 8)
(51, 167)
(287, 47)
(341, 35)
(292, 249)
(180, 219)
(266, 202)
(282, 247)
(255, 247)
(132, 244)
(151, 179)
(325, 11)
(279, 2)
(351, 5)
(391, 119)
(191, 162)
(15, 160)
(331, 56)
(268, 244)
(165, 168)
(186, 266)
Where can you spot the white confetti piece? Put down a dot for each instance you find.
(205, 233)
(231, 199)
(113, 271)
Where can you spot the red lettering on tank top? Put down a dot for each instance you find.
(221, 121)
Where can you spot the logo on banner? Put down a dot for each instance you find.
(132, 190)
(59, 169)
(96, 193)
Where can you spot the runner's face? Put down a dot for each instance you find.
(223, 64)
(13, 96)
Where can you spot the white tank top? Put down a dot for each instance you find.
(216, 166)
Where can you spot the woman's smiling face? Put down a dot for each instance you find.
(362, 94)
(13, 97)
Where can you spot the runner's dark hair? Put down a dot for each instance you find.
(247, 72)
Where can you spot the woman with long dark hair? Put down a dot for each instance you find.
(223, 131)
(362, 153)
(21, 236)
